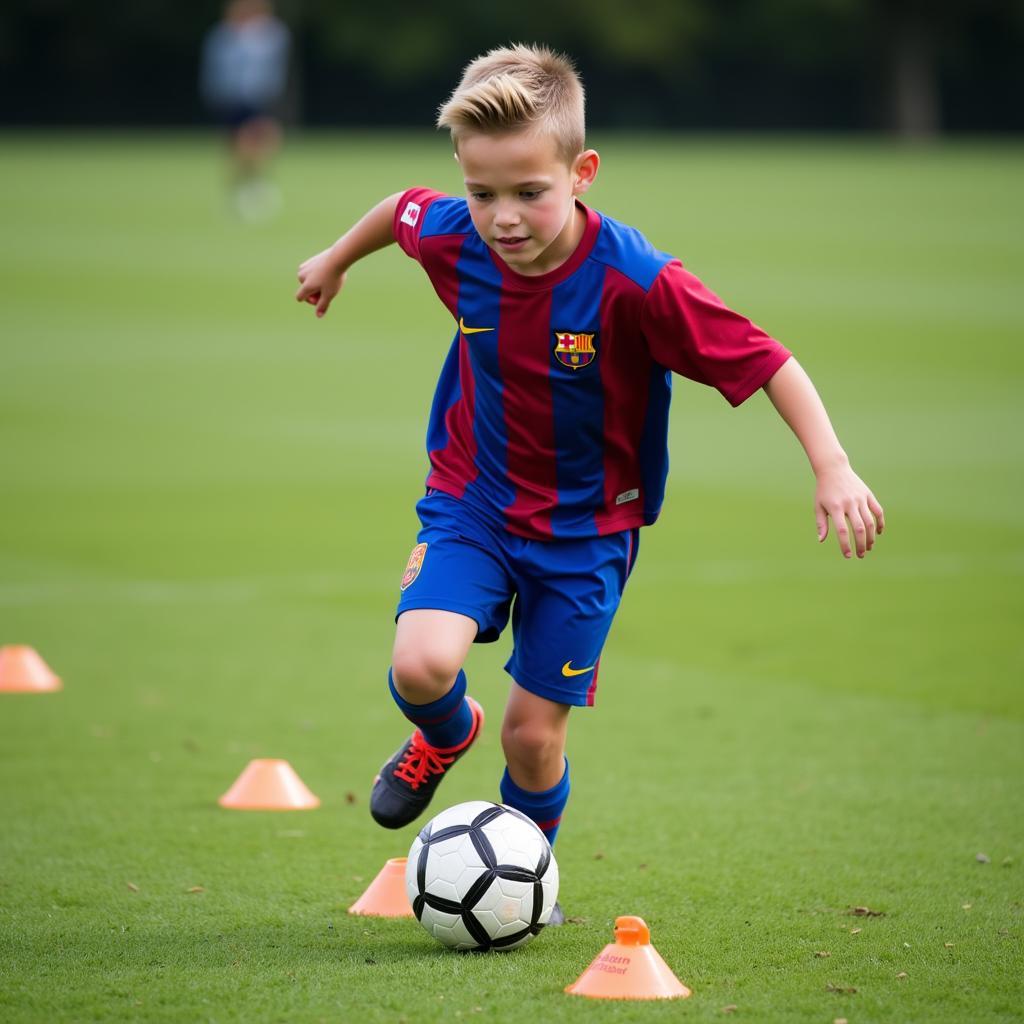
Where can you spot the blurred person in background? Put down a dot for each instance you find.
(243, 78)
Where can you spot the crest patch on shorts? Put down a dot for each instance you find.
(415, 563)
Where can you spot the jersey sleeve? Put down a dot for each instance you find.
(409, 216)
(690, 331)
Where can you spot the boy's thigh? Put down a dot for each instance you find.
(456, 567)
(568, 594)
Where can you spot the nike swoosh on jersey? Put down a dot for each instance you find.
(568, 670)
(472, 330)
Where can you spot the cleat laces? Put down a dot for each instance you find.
(421, 760)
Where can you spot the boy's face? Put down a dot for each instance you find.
(521, 196)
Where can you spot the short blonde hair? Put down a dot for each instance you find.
(515, 88)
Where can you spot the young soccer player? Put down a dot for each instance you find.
(547, 436)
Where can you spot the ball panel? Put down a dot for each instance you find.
(506, 908)
(460, 814)
(442, 889)
(454, 864)
(515, 841)
(549, 886)
(411, 887)
(448, 929)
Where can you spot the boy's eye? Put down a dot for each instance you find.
(480, 196)
(531, 193)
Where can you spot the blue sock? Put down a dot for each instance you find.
(444, 723)
(545, 808)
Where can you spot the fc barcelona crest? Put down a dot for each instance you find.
(574, 350)
(412, 569)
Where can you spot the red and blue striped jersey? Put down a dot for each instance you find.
(551, 411)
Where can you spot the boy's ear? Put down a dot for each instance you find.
(584, 171)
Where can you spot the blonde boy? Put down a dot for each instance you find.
(547, 437)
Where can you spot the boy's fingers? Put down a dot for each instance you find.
(842, 531)
(821, 519)
(877, 512)
(869, 522)
(317, 299)
(860, 531)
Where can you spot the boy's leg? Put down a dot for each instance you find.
(456, 590)
(568, 593)
(428, 685)
(536, 780)
(426, 678)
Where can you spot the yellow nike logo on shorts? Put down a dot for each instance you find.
(568, 670)
(472, 330)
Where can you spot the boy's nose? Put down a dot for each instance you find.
(506, 216)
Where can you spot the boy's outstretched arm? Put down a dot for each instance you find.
(840, 493)
(322, 275)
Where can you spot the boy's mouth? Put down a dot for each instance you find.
(512, 241)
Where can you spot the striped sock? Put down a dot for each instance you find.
(445, 722)
(545, 808)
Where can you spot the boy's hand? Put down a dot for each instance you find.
(320, 280)
(842, 496)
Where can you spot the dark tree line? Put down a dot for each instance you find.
(911, 66)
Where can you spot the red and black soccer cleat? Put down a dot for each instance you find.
(406, 784)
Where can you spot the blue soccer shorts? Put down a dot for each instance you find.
(562, 594)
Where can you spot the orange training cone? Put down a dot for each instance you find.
(23, 671)
(629, 968)
(269, 784)
(385, 896)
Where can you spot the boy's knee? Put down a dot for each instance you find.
(531, 740)
(422, 674)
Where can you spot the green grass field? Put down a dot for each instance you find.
(206, 502)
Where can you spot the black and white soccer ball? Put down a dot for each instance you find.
(481, 876)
